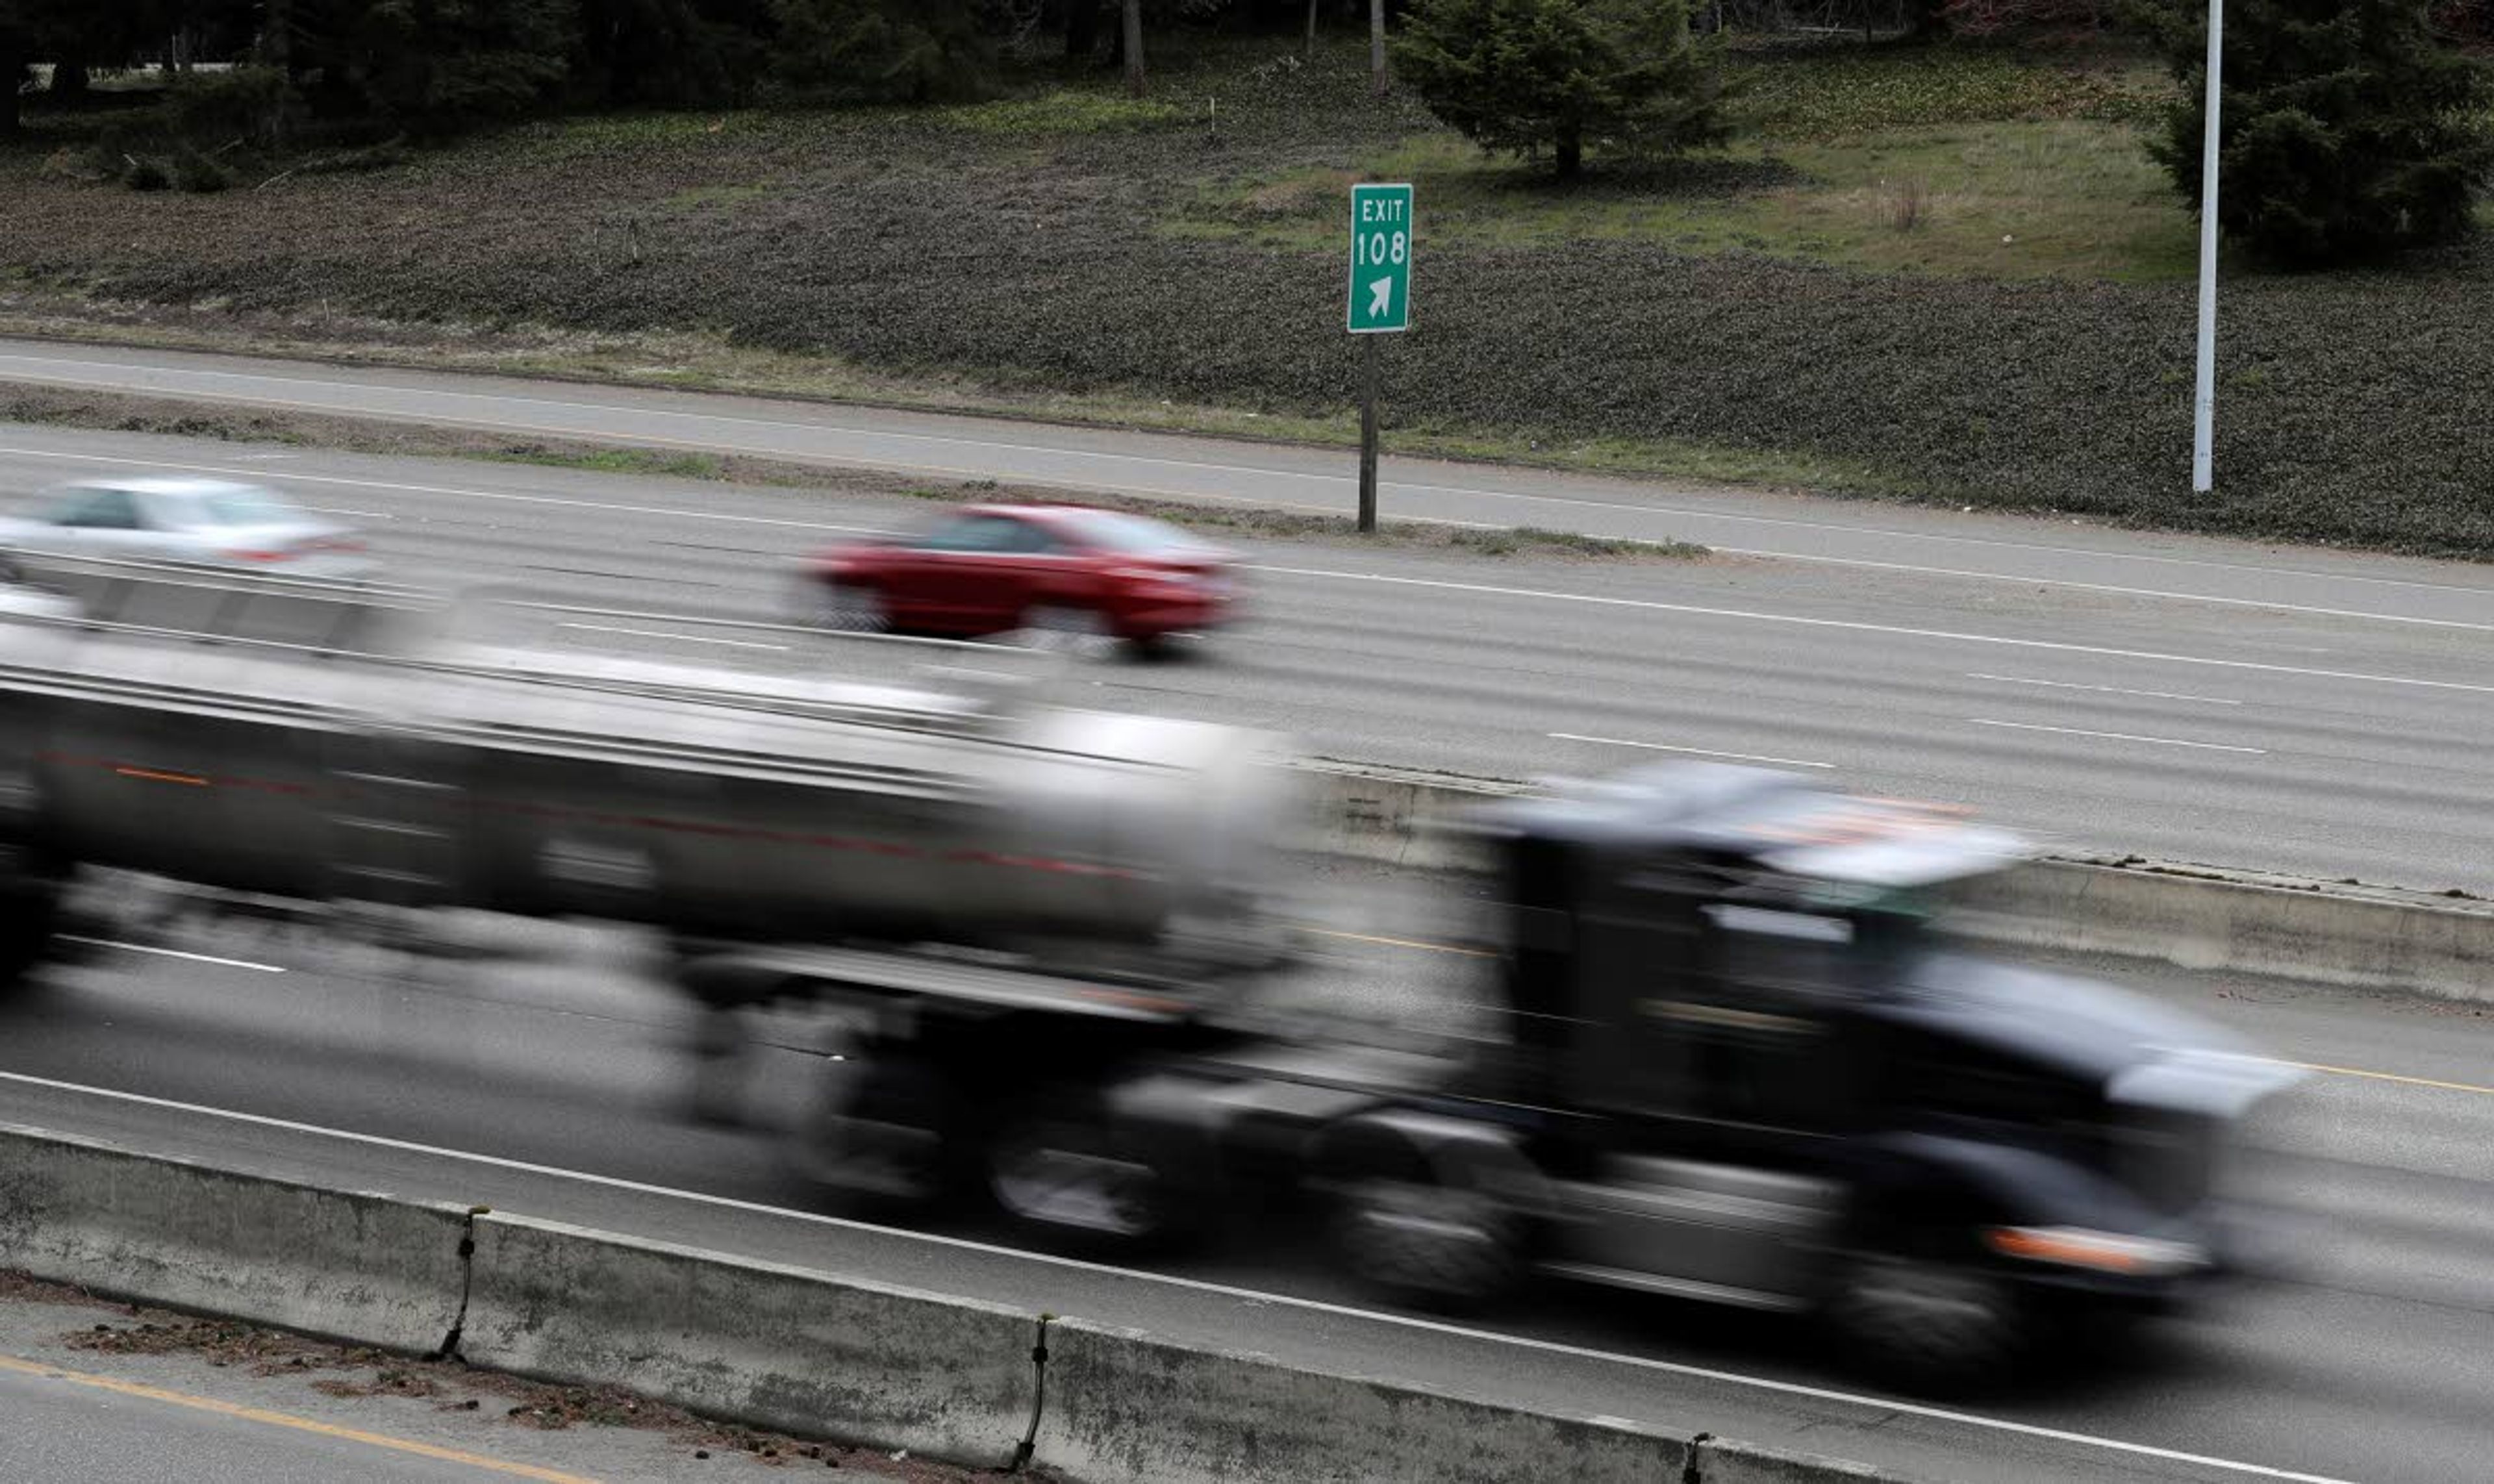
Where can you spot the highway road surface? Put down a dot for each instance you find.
(2292, 711)
(552, 1084)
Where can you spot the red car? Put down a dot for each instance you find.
(1055, 571)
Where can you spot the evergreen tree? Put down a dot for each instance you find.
(1520, 76)
(889, 50)
(2348, 129)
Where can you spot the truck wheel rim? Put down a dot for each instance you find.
(1057, 1181)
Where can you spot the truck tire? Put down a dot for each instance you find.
(30, 915)
(894, 1141)
(1059, 1166)
(1429, 1245)
(1927, 1324)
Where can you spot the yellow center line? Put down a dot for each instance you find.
(288, 1420)
(1426, 947)
(2392, 1076)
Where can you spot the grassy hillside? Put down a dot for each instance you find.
(1945, 275)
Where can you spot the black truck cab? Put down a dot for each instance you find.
(1740, 1068)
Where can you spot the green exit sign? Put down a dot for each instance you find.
(1381, 259)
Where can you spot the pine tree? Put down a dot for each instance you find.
(2348, 129)
(1523, 75)
(883, 50)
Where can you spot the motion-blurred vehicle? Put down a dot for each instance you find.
(326, 741)
(212, 522)
(1069, 573)
(1737, 1066)
(1737, 1071)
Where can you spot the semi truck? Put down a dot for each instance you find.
(1736, 1064)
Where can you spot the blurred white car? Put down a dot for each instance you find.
(210, 521)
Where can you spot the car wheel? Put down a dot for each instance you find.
(1060, 629)
(842, 607)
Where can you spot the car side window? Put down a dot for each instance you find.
(1030, 539)
(98, 510)
(986, 534)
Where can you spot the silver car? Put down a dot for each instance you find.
(210, 521)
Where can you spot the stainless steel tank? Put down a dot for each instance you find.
(308, 739)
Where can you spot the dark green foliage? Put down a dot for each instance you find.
(431, 67)
(241, 102)
(1524, 75)
(2348, 129)
(199, 173)
(671, 52)
(882, 50)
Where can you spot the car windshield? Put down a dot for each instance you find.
(242, 505)
(1135, 536)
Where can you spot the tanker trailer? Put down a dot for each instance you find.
(335, 743)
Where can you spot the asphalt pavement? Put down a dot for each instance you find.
(553, 1085)
(2199, 701)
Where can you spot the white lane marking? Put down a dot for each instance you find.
(1745, 757)
(1185, 495)
(1880, 1405)
(2110, 690)
(437, 489)
(368, 515)
(2216, 599)
(1863, 626)
(652, 633)
(629, 408)
(2162, 741)
(175, 952)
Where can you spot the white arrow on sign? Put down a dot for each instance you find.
(1381, 297)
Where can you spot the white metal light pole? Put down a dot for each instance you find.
(2203, 433)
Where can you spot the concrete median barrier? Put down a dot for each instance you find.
(1721, 1461)
(781, 1347)
(2196, 915)
(1128, 1408)
(341, 1264)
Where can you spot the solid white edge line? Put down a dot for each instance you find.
(2110, 690)
(652, 633)
(1744, 757)
(175, 952)
(2162, 741)
(1863, 626)
(1224, 1290)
